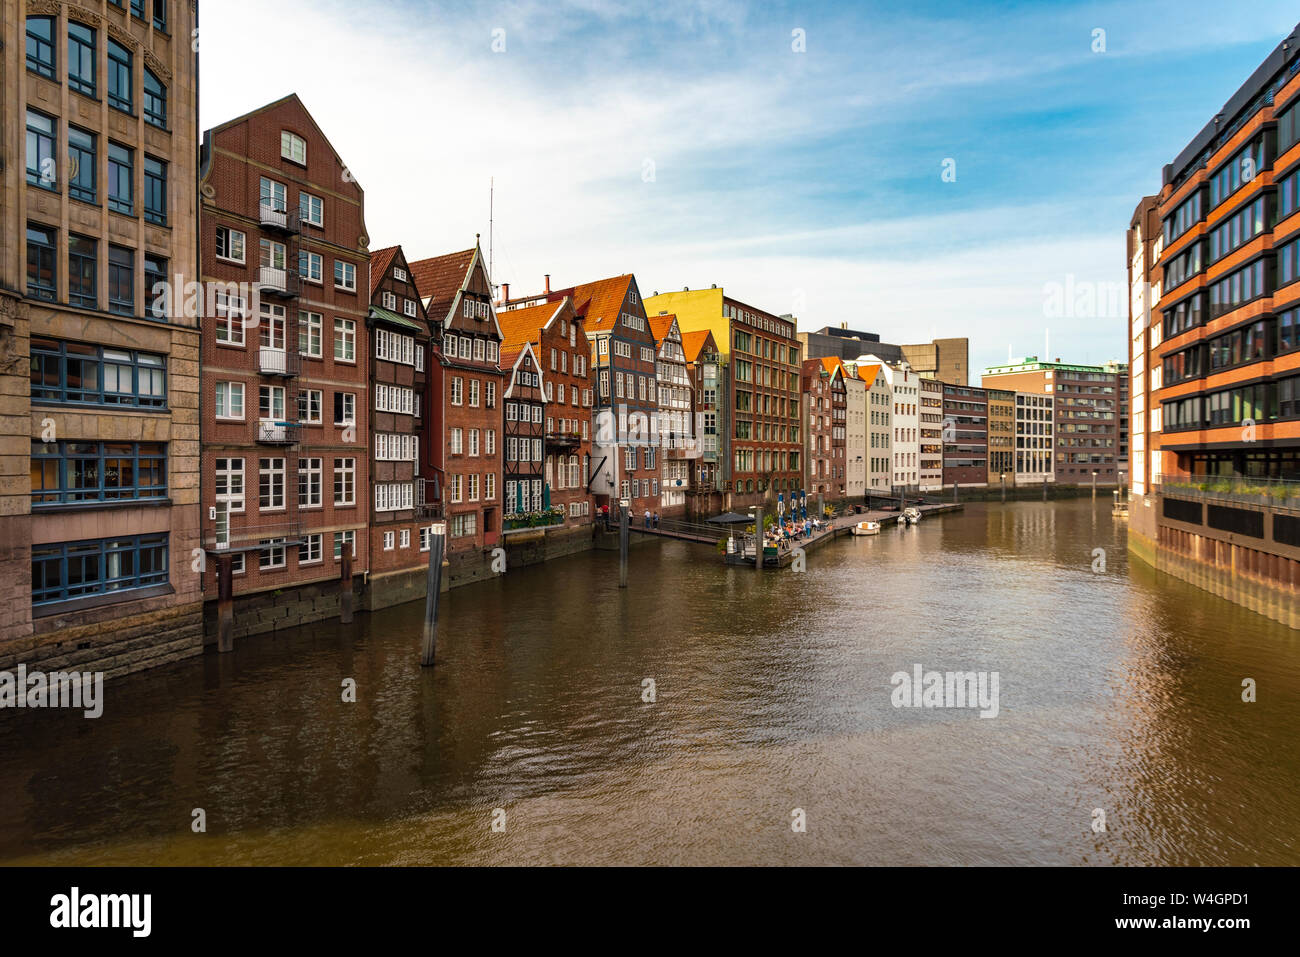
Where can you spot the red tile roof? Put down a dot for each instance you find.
(693, 342)
(868, 374)
(660, 325)
(524, 325)
(440, 278)
(380, 261)
(600, 302)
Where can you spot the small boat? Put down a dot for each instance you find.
(902, 521)
(866, 528)
(911, 515)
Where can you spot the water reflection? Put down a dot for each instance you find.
(1119, 690)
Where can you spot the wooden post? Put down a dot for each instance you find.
(1004, 488)
(1094, 485)
(624, 508)
(225, 604)
(955, 486)
(1044, 488)
(758, 538)
(345, 585)
(437, 546)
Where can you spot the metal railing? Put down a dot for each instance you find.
(284, 220)
(1273, 493)
(272, 432)
(277, 281)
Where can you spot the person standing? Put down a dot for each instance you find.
(647, 518)
(656, 519)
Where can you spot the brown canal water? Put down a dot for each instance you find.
(1118, 690)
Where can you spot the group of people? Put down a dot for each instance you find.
(651, 518)
(792, 529)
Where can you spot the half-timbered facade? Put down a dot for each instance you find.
(399, 350)
(679, 447)
(526, 500)
(467, 413)
(556, 334)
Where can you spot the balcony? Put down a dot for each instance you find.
(278, 220)
(1275, 494)
(228, 534)
(272, 432)
(278, 362)
(563, 440)
(427, 504)
(280, 283)
(526, 521)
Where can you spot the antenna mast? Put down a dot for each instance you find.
(492, 184)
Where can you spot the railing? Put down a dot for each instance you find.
(563, 439)
(426, 503)
(278, 361)
(1272, 493)
(282, 282)
(228, 535)
(272, 432)
(544, 519)
(285, 221)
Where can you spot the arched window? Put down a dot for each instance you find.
(120, 84)
(155, 100)
(40, 46)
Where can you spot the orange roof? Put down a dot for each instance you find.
(693, 342)
(660, 325)
(600, 302)
(519, 326)
(440, 278)
(868, 374)
(380, 260)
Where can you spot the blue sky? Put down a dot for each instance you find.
(692, 144)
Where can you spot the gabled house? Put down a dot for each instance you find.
(526, 498)
(555, 334)
(704, 366)
(467, 414)
(398, 336)
(678, 443)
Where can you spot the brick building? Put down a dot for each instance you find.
(99, 421)
(286, 459)
(825, 411)
(467, 415)
(931, 419)
(966, 435)
(399, 337)
(704, 366)
(625, 454)
(563, 353)
(679, 446)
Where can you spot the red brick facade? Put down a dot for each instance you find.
(284, 404)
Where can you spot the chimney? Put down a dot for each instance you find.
(844, 325)
(505, 292)
(548, 284)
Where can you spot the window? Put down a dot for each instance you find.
(229, 480)
(230, 244)
(40, 46)
(310, 402)
(390, 300)
(473, 393)
(345, 408)
(310, 334)
(346, 540)
(293, 148)
(311, 209)
(311, 266)
(121, 178)
(155, 100)
(464, 525)
(155, 285)
(309, 483)
(345, 340)
(229, 400)
(345, 481)
(457, 441)
(97, 567)
(81, 373)
(81, 58)
(160, 14)
(228, 315)
(119, 76)
(271, 254)
(270, 402)
(82, 255)
(81, 165)
(72, 472)
(457, 390)
(408, 307)
(490, 395)
(309, 549)
(390, 540)
(406, 538)
(155, 191)
(121, 280)
(272, 554)
(40, 262)
(455, 485)
(273, 195)
(270, 484)
(42, 168)
(345, 275)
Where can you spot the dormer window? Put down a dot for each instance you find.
(399, 274)
(293, 148)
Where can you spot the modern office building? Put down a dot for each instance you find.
(1088, 405)
(965, 435)
(100, 560)
(1001, 436)
(931, 419)
(1035, 460)
(1217, 430)
(944, 359)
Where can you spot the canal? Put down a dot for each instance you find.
(1119, 690)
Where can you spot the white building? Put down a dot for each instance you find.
(1034, 439)
(905, 431)
(855, 438)
(880, 402)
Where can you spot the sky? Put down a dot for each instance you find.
(917, 170)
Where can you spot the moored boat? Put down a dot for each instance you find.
(866, 528)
